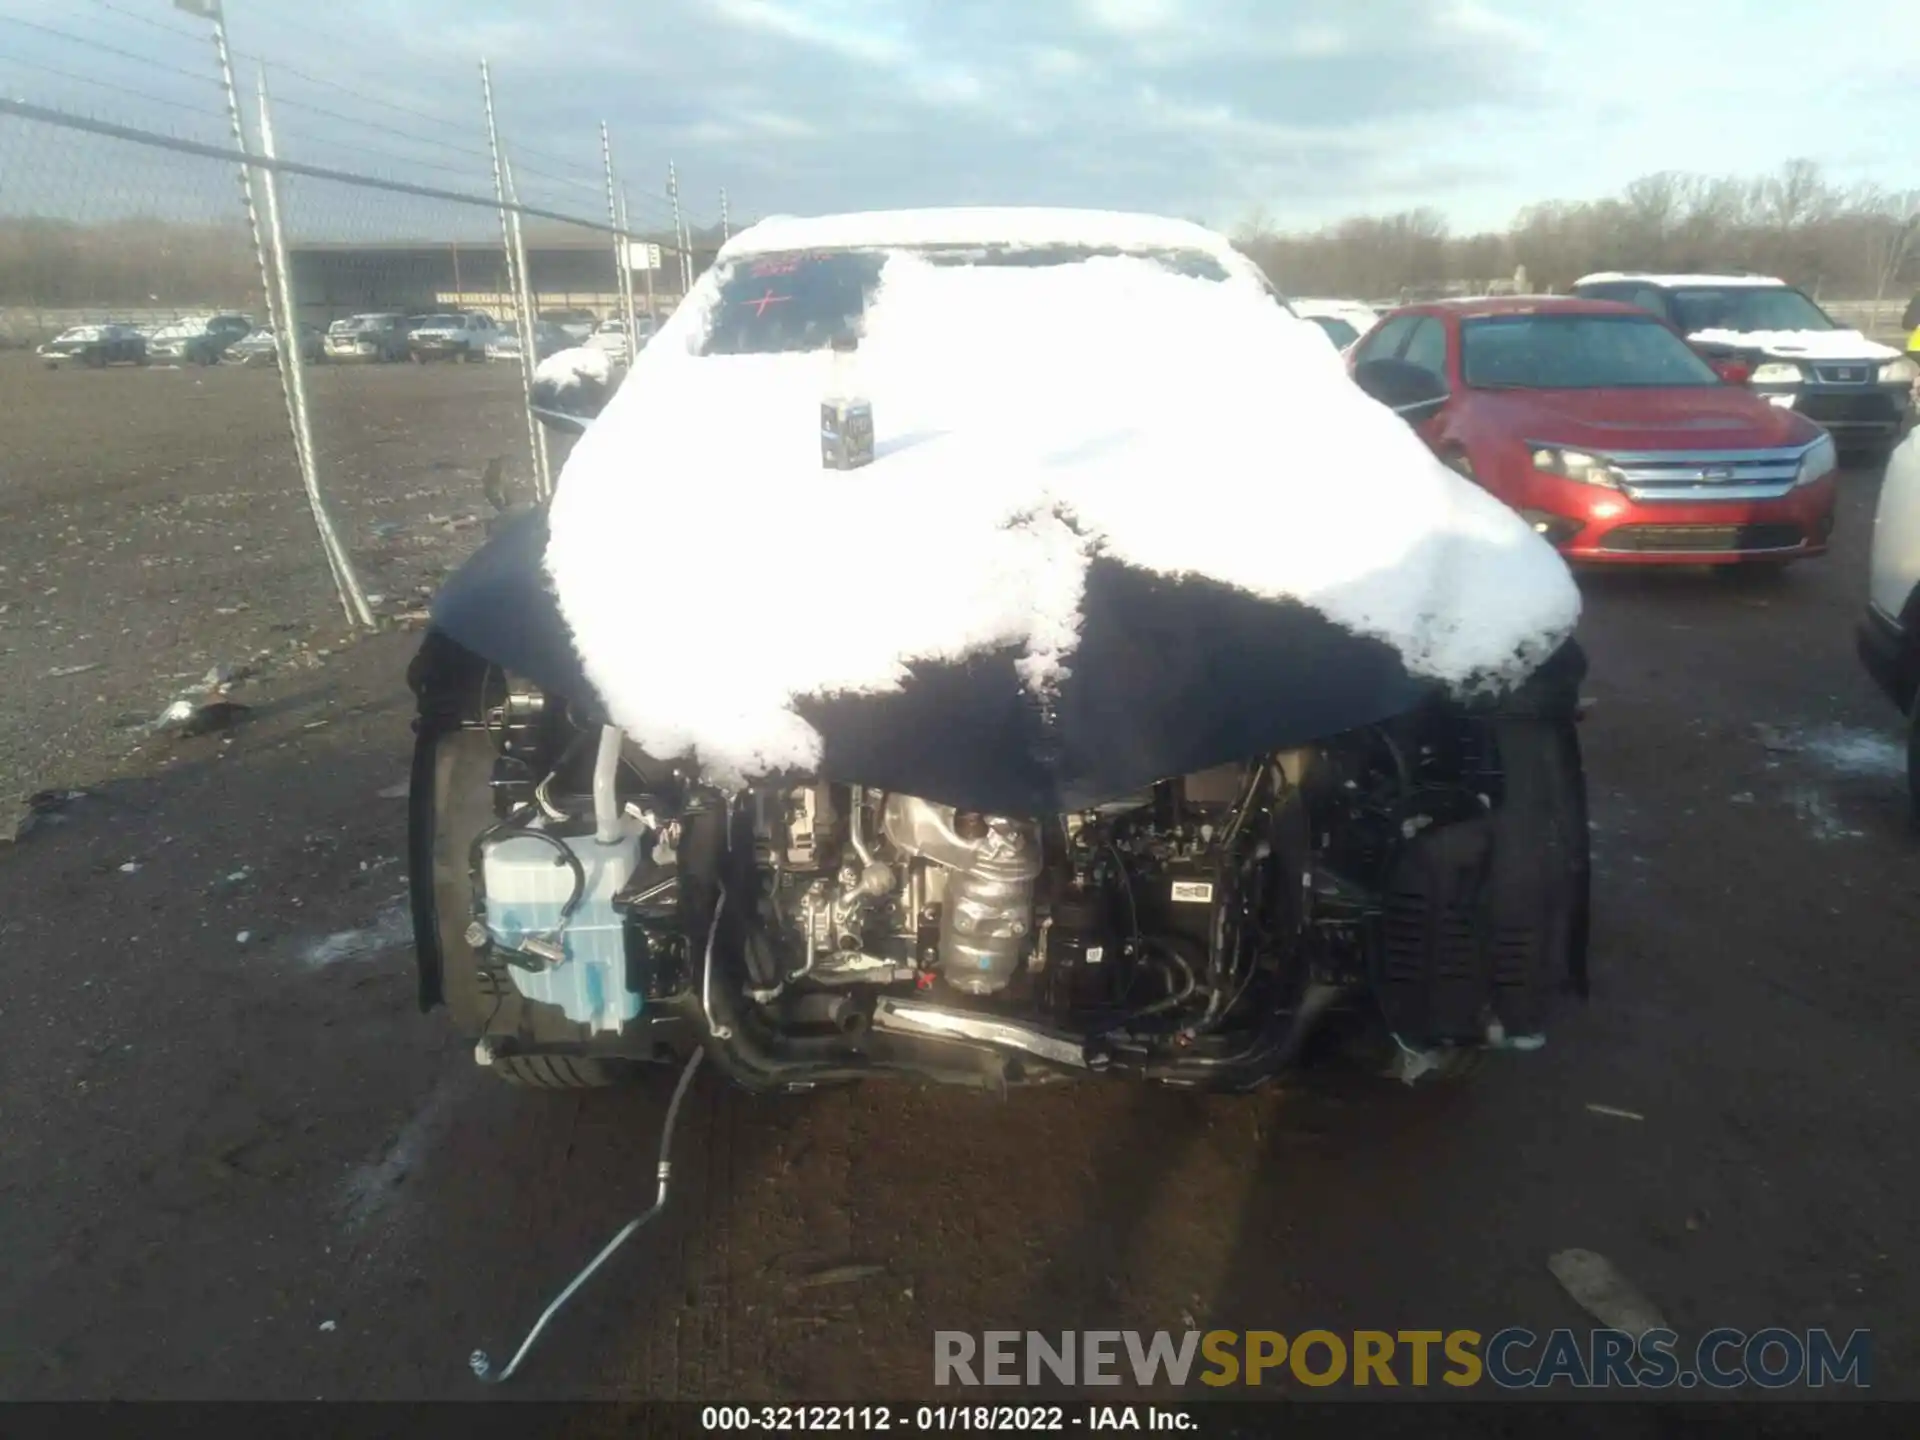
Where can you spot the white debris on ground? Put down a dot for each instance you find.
(1022, 422)
(568, 370)
(1603, 1292)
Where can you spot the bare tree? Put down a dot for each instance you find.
(1792, 223)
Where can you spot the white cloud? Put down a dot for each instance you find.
(1131, 17)
(846, 29)
(1311, 109)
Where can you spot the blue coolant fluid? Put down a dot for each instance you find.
(527, 886)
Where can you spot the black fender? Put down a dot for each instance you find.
(500, 608)
(1169, 677)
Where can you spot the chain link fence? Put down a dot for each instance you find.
(247, 418)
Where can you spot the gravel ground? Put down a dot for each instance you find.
(240, 1165)
(153, 525)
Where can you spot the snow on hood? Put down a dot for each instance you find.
(1802, 344)
(960, 225)
(1187, 426)
(573, 369)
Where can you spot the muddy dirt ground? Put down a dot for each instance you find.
(238, 1163)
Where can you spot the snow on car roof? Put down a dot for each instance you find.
(569, 370)
(1021, 425)
(1605, 277)
(978, 225)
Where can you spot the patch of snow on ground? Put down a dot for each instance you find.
(1843, 749)
(369, 1186)
(1024, 417)
(1823, 821)
(390, 930)
(1858, 752)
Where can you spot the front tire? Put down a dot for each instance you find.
(559, 1072)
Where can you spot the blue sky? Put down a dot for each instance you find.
(1304, 110)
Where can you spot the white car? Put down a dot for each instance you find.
(1889, 634)
(461, 335)
(1794, 353)
(1344, 321)
(611, 336)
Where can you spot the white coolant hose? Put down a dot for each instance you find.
(606, 769)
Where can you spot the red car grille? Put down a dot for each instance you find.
(1702, 539)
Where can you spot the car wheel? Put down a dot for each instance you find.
(561, 1072)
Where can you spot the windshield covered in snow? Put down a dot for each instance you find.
(1577, 352)
(799, 301)
(1746, 309)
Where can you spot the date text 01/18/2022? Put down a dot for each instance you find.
(943, 1419)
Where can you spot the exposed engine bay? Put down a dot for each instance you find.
(1428, 872)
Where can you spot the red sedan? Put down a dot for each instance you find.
(1603, 427)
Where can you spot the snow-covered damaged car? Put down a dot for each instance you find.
(995, 646)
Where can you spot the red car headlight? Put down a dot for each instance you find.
(1578, 465)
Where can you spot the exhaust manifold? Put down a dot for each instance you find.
(987, 913)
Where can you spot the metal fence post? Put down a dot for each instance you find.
(536, 437)
(679, 230)
(293, 373)
(622, 250)
(529, 352)
(303, 456)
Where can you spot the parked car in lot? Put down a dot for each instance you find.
(378, 337)
(1606, 431)
(1344, 321)
(611, 336)
(1889, 632)
(548, 339)
(577, 324)
(459, 335)
(1795, 354)
(197, 340)
(1340, 332)
(260, 348)
(95, 346)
